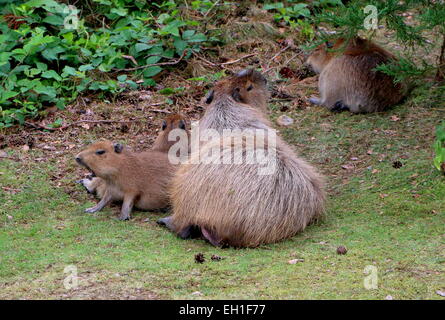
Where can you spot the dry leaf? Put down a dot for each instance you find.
(285, 121)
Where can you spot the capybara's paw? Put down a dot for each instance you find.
(123, 217)
(314, 100)
(91, 210)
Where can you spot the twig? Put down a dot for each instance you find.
(205, 60)
(10, 158)
(155, 64)
(237, 60)
(225, 63)
(131, 58)
(11, 189)
(214, 4)
(280, 52)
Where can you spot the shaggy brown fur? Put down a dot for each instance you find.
(231, 203)
(139, 179)
(347, 79)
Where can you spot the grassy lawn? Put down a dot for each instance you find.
(387, 216)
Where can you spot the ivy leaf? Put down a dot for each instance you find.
(153, 59)
(54, 20)
(272, 6)
(180, 45)
(69, 71)
(142, 46)
(6, 95)
(151, 71)
(51, 53)
(51, 74)
(86, 67)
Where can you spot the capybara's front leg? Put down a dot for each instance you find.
(102, 203)
(127, 206)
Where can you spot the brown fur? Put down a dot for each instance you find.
(139, 179)
(347, 79)
(98, 186)
(231, 203)
(174, 121)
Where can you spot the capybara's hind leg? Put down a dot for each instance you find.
(211, 237)
(339, 106)
(166, 222)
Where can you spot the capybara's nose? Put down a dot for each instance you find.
(79, 160)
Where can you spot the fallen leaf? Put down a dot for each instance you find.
(216, 257)
(295, 261)
(383, 195)
(342, 250)
(25, 148)
(347, 167)
(395, 118)
(197, 293)
(199, 258)
(285, 121)
(389, 297)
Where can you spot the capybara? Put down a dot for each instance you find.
(348, 80)
(233, 204)
(136, 179)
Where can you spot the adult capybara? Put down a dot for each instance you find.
(234, 204)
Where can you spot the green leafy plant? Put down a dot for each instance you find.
(49, 54)
(439, 148)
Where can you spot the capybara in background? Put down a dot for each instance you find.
(348, 80)
(173, 121)
(233, 204)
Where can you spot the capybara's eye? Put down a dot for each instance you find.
(236, 94)
(249, 88)
(164, 125)
(181, 124)
(99, 152)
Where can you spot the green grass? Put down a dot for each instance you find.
(390, 218)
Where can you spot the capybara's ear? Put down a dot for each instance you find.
(244, 73)
(252, 76)
(164, 125)
(181, 124)
(236, 95)
(209, 97)
(118, 147)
